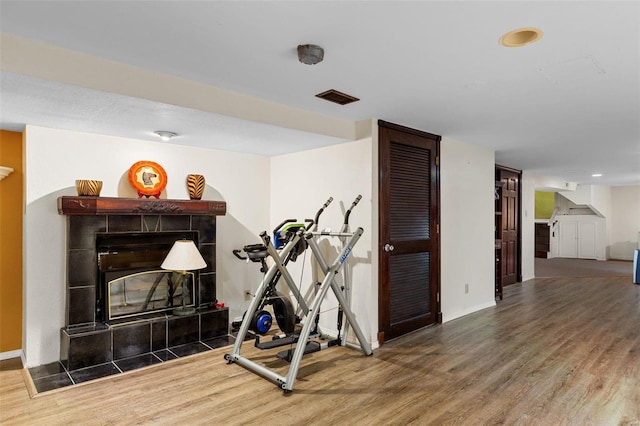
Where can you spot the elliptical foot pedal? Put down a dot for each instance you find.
(275, 343)
(288, 354)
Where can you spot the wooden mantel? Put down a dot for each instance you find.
(70, 205)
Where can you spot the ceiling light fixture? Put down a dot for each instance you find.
(521, 37)
(164, 135)
(310, 54)
(596, 175)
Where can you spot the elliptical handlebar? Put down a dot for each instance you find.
(310, 222)
(319, 212)
(348, 212)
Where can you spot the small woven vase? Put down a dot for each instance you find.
(195, 186)
(88, 188)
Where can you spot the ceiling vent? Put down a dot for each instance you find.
(333, 95)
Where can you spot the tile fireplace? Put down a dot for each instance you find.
(118, 300)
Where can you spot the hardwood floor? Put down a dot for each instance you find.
(555, 351)
(564, 267)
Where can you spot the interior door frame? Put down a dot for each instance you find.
(435, 222)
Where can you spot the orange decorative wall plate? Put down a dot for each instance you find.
(148, 178)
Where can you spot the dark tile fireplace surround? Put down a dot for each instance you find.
(93, 347)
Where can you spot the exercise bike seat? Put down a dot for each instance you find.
(256, 252)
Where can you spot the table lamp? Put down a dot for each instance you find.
(183, 256)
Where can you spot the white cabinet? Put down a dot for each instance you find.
(587, 240)
(581, 237)
(567, 239)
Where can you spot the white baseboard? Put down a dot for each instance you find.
(449, 317)
(11, 354)
(528, 277)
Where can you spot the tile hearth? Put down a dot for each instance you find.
(55, 376)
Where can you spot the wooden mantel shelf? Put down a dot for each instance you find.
(69, 205)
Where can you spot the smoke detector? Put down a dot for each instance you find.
(310, 54)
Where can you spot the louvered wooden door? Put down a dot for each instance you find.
(409, 249)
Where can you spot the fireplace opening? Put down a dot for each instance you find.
(147, 292)
(131, 282)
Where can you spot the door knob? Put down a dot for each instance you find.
(388, 247)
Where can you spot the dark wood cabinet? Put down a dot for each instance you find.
(542, 235)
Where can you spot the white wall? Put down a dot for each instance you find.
(597, 197)
(467, 176)
(528, 195)
(601, 200)
(55, 158)
(625, 221)
(300, 185)
(551, 184)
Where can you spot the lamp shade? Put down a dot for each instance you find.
(183, 256)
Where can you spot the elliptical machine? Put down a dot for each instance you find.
(308, 339)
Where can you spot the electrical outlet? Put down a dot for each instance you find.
(247, 295)
(466, 288)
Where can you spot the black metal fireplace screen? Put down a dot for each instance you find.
(131, 282)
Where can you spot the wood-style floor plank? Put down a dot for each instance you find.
(555, 351)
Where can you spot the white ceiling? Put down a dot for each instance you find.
(565, 107)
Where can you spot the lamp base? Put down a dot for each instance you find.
(183, 310)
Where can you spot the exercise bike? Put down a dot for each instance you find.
(283, 310)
